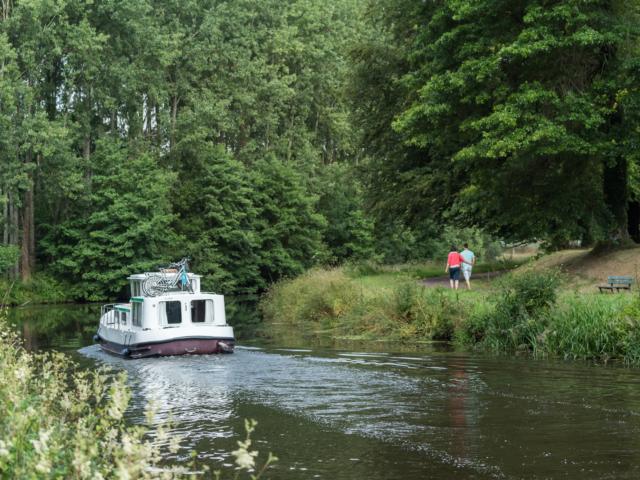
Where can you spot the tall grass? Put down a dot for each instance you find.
(595, 326)
(525, 312)
(332, 301)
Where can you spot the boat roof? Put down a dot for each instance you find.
(142, 276)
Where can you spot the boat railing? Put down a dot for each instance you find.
(107, 308)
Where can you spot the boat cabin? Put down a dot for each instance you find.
(174, 308)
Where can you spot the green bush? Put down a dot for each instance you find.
(519, 315)
(363, 268)
(8, 257)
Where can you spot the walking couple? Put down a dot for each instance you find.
(457, 261)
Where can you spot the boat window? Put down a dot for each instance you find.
(136, 314)
(123, 318)
(173, 312)
(135, 288)
(201, 311)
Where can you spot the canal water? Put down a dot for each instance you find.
(377, 411)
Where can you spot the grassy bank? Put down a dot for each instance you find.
(525, 311)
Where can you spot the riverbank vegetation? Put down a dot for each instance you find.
(58, 420)
(529, 310)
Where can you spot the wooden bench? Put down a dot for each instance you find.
(617, 283)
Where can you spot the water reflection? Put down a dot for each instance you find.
(63, 327)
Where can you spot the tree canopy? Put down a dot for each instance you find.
(262, 137)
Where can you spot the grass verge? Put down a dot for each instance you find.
(524, 311)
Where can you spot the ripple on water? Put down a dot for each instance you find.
(489, 416)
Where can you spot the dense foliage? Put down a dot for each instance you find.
(263, 137)
(60, 421)
(137, 132)
(513, 115)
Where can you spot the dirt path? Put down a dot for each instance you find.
(444, 281)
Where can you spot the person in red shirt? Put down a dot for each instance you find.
(454, 264)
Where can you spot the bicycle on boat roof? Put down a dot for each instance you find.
(173, 277)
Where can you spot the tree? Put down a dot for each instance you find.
(218, 218)
(507, 115)
(123, 224)
(289, 228)
(349, 231)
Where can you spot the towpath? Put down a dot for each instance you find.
(444, 280)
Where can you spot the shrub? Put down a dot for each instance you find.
(364, 268)
(316, 295)
(58, 421)
(42, 288)
(8, 257)
(520, 312)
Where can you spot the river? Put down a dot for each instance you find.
(377, 411)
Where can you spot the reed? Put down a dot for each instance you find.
(599, 327)
(401, 309)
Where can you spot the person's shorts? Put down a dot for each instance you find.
(466, 273)
(454, 273)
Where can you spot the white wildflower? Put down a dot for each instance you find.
(41, 446)
(244, 458)
(22, 373)
(4, 450)
(127, 445)
(119, 401)
(174, 444)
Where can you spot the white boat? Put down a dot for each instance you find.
(167, 315)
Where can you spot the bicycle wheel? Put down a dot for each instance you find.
(152, 286)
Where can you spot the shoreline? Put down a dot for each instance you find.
(524, 312)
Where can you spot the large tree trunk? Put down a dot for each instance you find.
(6, 9)
(616, 198)
(149, 108)
(156, 110)
(86, 148)
(26, 260)
(633, 219)
(6, 219)
(13, 231)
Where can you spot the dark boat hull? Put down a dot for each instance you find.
(178, 346)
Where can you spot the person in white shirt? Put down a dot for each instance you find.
(469, 261)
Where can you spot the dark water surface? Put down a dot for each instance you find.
(362, 413)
